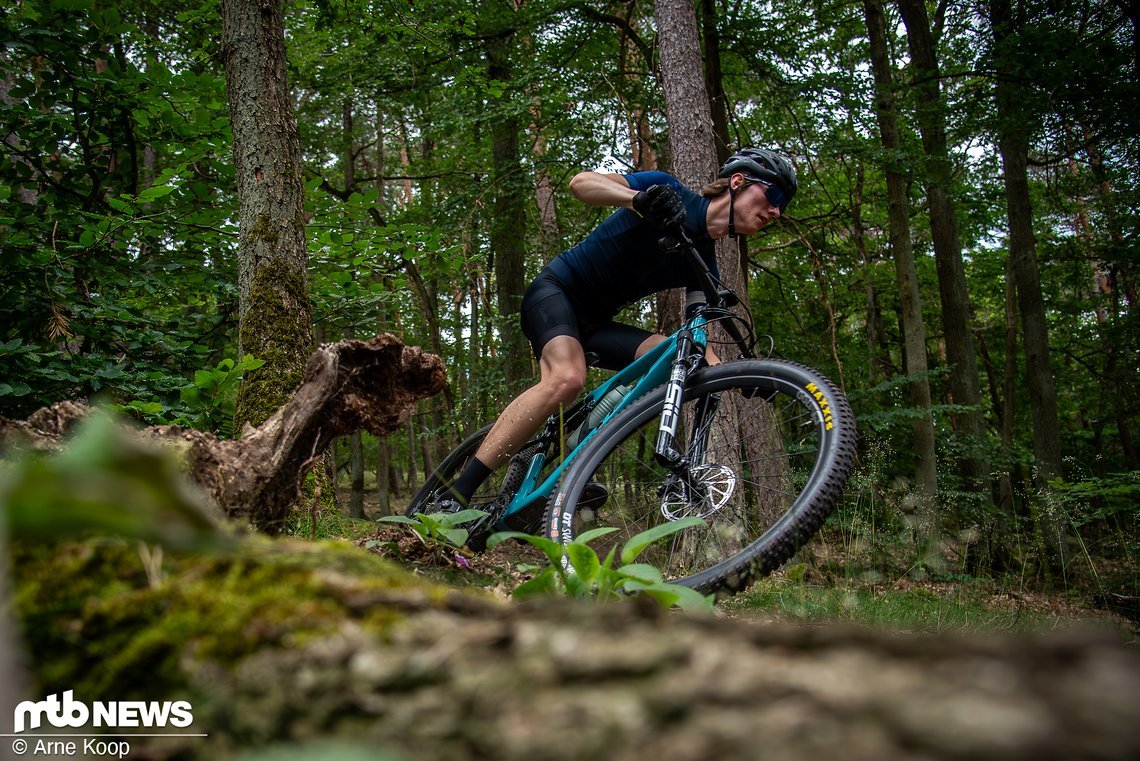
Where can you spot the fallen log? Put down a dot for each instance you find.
(289, 642)
(348, 386)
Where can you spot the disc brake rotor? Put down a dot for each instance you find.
(715, 485)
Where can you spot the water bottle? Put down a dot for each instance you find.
(604, 407)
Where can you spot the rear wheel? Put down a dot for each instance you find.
(769, 446)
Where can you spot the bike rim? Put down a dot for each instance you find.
(778, 447)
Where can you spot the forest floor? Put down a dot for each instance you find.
(822, 586)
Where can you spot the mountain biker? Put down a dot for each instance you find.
(569, 307)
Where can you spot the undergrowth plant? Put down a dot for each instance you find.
(575, 570)
(439, 531)
(206, 404)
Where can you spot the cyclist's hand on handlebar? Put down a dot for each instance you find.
(661, 205)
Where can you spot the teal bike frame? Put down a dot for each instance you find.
(670, 360)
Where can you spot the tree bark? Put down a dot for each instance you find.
(691, 134)
(714, 81)
(953, 293)
(1013, 125)
(507, 227)
(358, 653)
(906, 277)
(348, 386)
(275, 316)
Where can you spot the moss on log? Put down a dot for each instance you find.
(281, 641)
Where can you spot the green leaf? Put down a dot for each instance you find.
(552, 549)
(542, 585)
(463, 516)
(155, 192)
(642, 572)
(457, 536)
(20, 389)
(584, 561)
(403, 519)
(637, 544)
(588, 536)
(578, 587)
(666, 598)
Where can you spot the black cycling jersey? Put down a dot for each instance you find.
(620, 262)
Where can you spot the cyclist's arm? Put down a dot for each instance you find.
(597, 189)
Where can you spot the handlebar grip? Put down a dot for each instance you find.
(670, 245)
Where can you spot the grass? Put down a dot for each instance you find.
(960, 607)
(866, 569)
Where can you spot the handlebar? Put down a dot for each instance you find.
(676, 238)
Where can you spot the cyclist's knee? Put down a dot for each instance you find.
(565, 385)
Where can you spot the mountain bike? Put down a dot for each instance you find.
(759, 448)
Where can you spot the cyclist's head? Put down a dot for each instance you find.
(767, 167)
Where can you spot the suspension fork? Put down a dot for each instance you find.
(702, 421)
(685, 360)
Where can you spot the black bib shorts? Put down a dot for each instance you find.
(548, 311)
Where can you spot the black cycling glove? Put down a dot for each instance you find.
(661, 205)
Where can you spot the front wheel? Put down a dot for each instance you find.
(768, 447)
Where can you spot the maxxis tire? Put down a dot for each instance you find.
(826, 410)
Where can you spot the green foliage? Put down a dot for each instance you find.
(438, 530)
(961, 608)
(576, 571)
(116, 276)
(1108, 506)
(207, 404)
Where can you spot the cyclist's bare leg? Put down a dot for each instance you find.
(563, 368)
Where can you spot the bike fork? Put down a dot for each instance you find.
(665, 449)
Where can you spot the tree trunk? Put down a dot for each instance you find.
(714, 81)
(691, 135)
(1014, 122)
(953, 293)
(686, 100)
(348, 386)
(384, 474)
(906, 277)
(275, 317)
(318, 647)
(356, 472)
(544, 189)
(507, 227)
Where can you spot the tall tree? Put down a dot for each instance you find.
(952, 288)
(275, 316)
(508, 235)
(906, 278)
(687, 106)
(1014, 122)
(691, 140)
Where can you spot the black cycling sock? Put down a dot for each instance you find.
(470, 479)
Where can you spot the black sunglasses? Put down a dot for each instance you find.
(774, 193)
